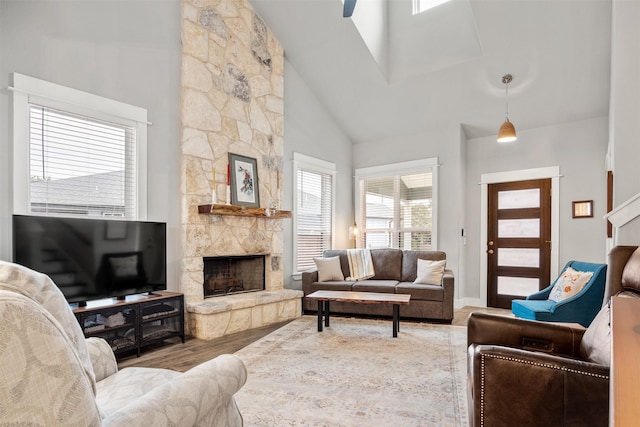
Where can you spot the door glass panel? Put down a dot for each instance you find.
(529, 227)
(517, 199)
(513, 257)
(519, 286)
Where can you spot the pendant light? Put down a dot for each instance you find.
(507, 132)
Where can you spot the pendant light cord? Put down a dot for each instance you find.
(506, 79)
(506, 101)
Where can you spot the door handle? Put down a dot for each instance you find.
(490, 251)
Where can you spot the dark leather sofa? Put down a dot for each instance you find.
(395, 271)
(529, 373)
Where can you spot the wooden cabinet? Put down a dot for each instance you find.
(139, 321)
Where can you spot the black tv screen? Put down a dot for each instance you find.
(91, 259)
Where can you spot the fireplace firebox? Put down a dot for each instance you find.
(227, 275)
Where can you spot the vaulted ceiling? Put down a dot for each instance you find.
(386, 72)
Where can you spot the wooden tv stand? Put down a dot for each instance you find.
(136, 322)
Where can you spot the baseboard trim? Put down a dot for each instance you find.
(474, 302)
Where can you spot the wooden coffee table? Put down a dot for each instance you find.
(325, 297)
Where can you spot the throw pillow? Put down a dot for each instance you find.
(329, 269)
(568, 284)
(596, 341)
(430, 272)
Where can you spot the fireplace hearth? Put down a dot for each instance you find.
(227, 275)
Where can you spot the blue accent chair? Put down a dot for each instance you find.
(580, 308)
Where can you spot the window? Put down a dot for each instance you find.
(396, 205)
(420, 6)
(77, 154)
(314, 209)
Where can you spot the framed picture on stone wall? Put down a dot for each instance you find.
(243, 174)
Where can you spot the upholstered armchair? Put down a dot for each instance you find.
(579, 308)
(52, 376)
(530, 373)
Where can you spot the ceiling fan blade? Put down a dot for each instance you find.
(349, 5)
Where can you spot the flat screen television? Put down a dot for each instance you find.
(91, 259)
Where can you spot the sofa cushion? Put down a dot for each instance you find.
(373, 285)
(387, 264)
(410, 262)
(430, 272)
(531, 308)
(330, 286)
(329, 269)
(420, 291)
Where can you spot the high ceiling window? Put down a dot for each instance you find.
(420, 6)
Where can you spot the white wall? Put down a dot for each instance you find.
(447, 146)
(310, 130)
(127, 51)
(624, 112)
(371, 19)
(579, 148)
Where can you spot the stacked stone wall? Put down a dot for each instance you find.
(232, 102)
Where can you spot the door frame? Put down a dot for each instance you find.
(552, 172)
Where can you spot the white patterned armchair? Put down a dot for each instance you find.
(51, 376)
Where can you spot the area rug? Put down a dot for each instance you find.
(355, 374)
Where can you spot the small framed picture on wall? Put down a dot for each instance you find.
(583, 209)
(244, 180)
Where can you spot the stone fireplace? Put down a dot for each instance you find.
(232, 91)
(228, 275)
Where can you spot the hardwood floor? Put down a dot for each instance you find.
(182, 357)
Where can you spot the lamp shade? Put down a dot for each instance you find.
(507, 132)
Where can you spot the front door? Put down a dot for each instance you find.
(518, 240)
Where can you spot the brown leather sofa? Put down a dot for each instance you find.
(395, 271)
(529, 373)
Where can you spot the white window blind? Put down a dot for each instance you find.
(80, 166)
(396, 208)
(76, 153)
(313, 210)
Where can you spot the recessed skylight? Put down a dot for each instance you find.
(420, 6)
